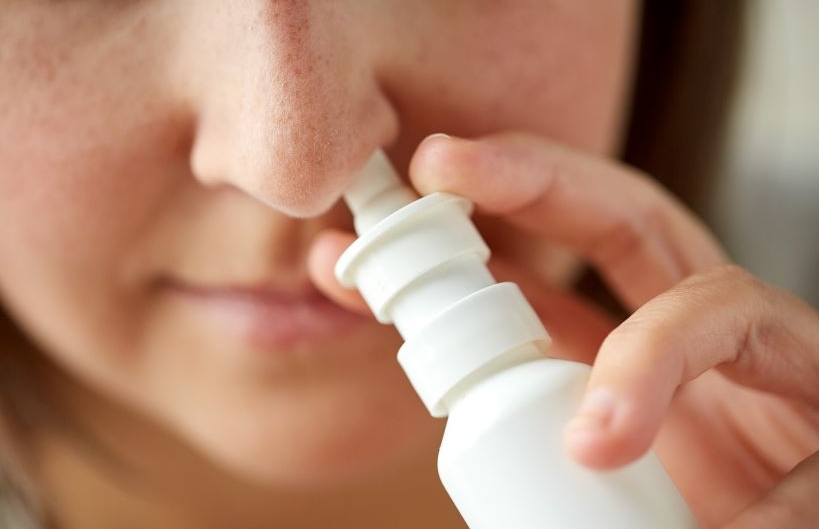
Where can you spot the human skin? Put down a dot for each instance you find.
(146, 145)
(153, 149)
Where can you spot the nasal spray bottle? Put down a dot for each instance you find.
(474, 351)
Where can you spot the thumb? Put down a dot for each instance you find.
(791, 503)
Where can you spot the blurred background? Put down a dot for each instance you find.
(766, 208)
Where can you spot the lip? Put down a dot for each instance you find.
(268, 318)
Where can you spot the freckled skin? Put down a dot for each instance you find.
(212, 139)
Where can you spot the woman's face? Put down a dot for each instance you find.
(164, 165)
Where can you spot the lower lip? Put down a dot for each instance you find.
(270, 322)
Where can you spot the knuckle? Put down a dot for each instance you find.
(630, 232)
(729, 281)
(734, 275)
(756, 331)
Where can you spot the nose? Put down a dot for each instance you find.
(287, 99)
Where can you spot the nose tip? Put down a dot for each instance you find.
(293, 119)
(298, 165)
(296, 156)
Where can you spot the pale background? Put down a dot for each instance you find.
(766, 210)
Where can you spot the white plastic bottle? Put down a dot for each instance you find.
(474, 350)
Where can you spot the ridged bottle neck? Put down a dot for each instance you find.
(423, 267)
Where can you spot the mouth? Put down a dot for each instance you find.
(268, 318)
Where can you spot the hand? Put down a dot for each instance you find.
(719, 371)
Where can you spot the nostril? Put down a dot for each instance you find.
(204, 168)
(210, 151)
(296, 176)
(281, 170)
(294, 157)
(305, 192)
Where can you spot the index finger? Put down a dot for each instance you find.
(641, 239)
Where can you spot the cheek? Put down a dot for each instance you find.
(81, 176)
(85, 165)
(84, 203)
(71, 229)
(559, 69)
(72, 136)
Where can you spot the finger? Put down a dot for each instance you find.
(641, 239)
(759, 336)
(327, 247)
(792, 503)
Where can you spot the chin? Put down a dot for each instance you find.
(314, 448)
(324, 460)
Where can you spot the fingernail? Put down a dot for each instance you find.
(596, 413)
(435, 136)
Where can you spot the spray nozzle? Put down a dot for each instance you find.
(420, 263)
(376, 192)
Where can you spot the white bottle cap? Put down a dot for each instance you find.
(487, 329)
(421, 265)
